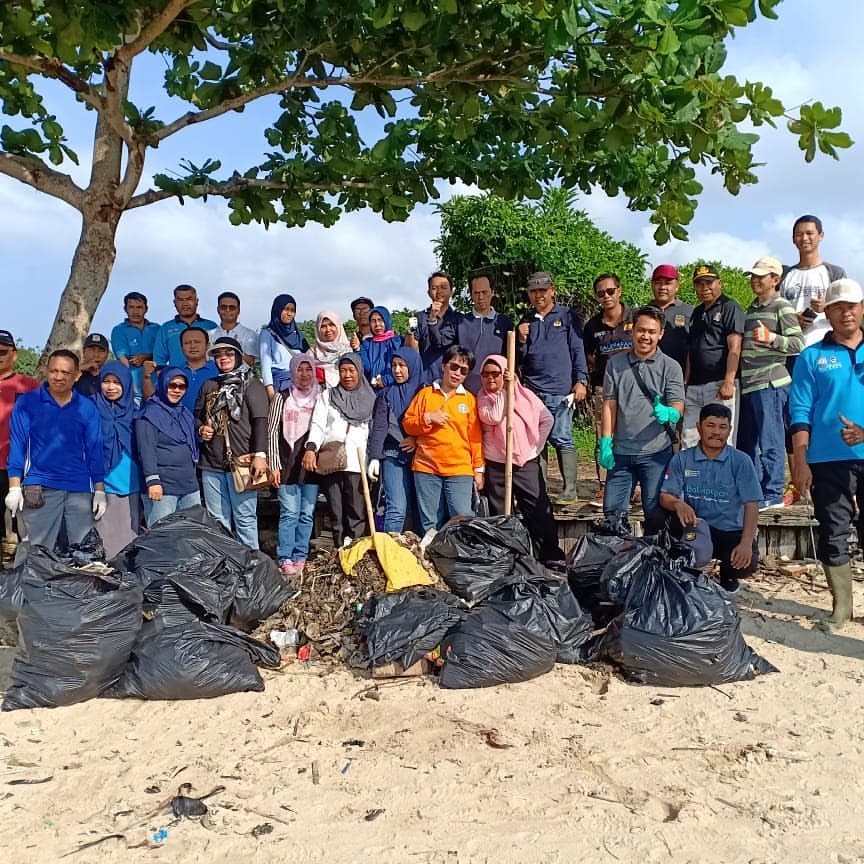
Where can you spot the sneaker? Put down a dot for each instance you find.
(771, 504)
(597, 499)
(791, 495)
(730, 585)
(299, 567)
(287, 568)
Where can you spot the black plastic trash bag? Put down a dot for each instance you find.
(679, 628)
(91, 548)
(195, 660)
(490, 648)
(549, 609)
(261, 591)
(476, 557)
(76, 632)
(405, 625)
(11, 601)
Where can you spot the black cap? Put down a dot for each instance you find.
(96, 340)
(7, 339)
(357, 300)
(226, 342)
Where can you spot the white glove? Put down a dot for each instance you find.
(15, 499)
(373, 469)
(100, 505)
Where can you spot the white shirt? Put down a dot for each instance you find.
(799, 287)
(247, 338)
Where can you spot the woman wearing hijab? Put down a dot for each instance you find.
(287, 431)
(115, 401)
(531, 424)
(448, 459)
(278, 342)
(168, 448)
(331, 342)
(378, 349)
(343, 413)
(390, 448)
(234, 405)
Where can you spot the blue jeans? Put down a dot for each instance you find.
(648, 471)
(224, 503)
(561, 434)
(442, 498)
(72, 509)
(761, 435)
(397, 478)
(168, 504)
(296, 518)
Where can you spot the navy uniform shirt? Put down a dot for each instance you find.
(709, 329)
(676, 332)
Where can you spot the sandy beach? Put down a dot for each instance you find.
(577, 765)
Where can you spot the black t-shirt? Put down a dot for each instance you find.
(709, 329)
(676, 333)
(602, 341)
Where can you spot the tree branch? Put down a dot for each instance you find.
(34, 172)
(53, 68)
(241, 184)
(153, 30)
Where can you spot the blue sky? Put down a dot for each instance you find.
(812, 52)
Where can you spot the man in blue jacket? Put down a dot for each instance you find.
(59, 431)
(167, 350)
(552, 363)
(826, 409)
(483, 331)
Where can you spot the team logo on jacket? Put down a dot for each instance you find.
(463, 409)
(557, 324)
(680, 321)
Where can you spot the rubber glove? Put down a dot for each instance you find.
(100, 505)
(15, 499)
(373, 469)
(665, 413)
(606, 458)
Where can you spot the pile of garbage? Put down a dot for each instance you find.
(167, 619)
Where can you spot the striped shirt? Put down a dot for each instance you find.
(762, 365)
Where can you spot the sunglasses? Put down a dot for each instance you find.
(605, 292)
(227, 353)
(228, 306)
(4, 353)
(458, 367)
(177, 385)
(492, 373)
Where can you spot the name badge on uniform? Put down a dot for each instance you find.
(680, 321)
(691, 472)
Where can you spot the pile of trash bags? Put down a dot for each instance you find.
(508, 618)
(166, 619)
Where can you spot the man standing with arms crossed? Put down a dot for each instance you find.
(826, 408)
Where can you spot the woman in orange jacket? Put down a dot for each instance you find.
(448, 460)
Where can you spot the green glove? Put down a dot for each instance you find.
(665, 413)
(606, 458)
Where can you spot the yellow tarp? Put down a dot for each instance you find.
(399, 564)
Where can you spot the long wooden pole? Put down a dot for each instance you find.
(508, 428)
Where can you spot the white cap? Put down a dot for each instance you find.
(844, 291)
(764, 266)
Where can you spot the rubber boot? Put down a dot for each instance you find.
(840, 582)
(568, 462)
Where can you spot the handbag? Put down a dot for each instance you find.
(241, 470)
(332, 456)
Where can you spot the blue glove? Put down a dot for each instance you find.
(665, 413)
(606, 457)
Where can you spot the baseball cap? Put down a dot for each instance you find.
(764, 266)
(704, 271)
(7, 339)
(540, 279)
(665, 271)
(96, 340)
(844, 291)
(358, 300)
(225, 342)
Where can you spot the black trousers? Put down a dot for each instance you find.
(344, 493)
(723, 542)
(534, 505)
(837, 488)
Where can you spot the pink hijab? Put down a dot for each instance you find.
(298, 404)
(527, 409)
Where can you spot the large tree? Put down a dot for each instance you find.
(625, 95)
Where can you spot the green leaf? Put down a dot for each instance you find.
(210, 71)
(669, 43)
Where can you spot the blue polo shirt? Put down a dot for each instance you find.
(127, 340)
(167, 350)
(717, 489)
(63, 442)
(196, 378)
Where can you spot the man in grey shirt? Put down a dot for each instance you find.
(643, 399)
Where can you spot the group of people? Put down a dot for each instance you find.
(186, 404)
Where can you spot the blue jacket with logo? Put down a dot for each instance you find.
(553, 359)
(828, 380)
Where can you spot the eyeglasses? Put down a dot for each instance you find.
(176, 385)
(490, 374)
(604, 292)
(458, 367)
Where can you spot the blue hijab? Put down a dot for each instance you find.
(399, 396)
(174, 421)
(117, 416)
(288, 334)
